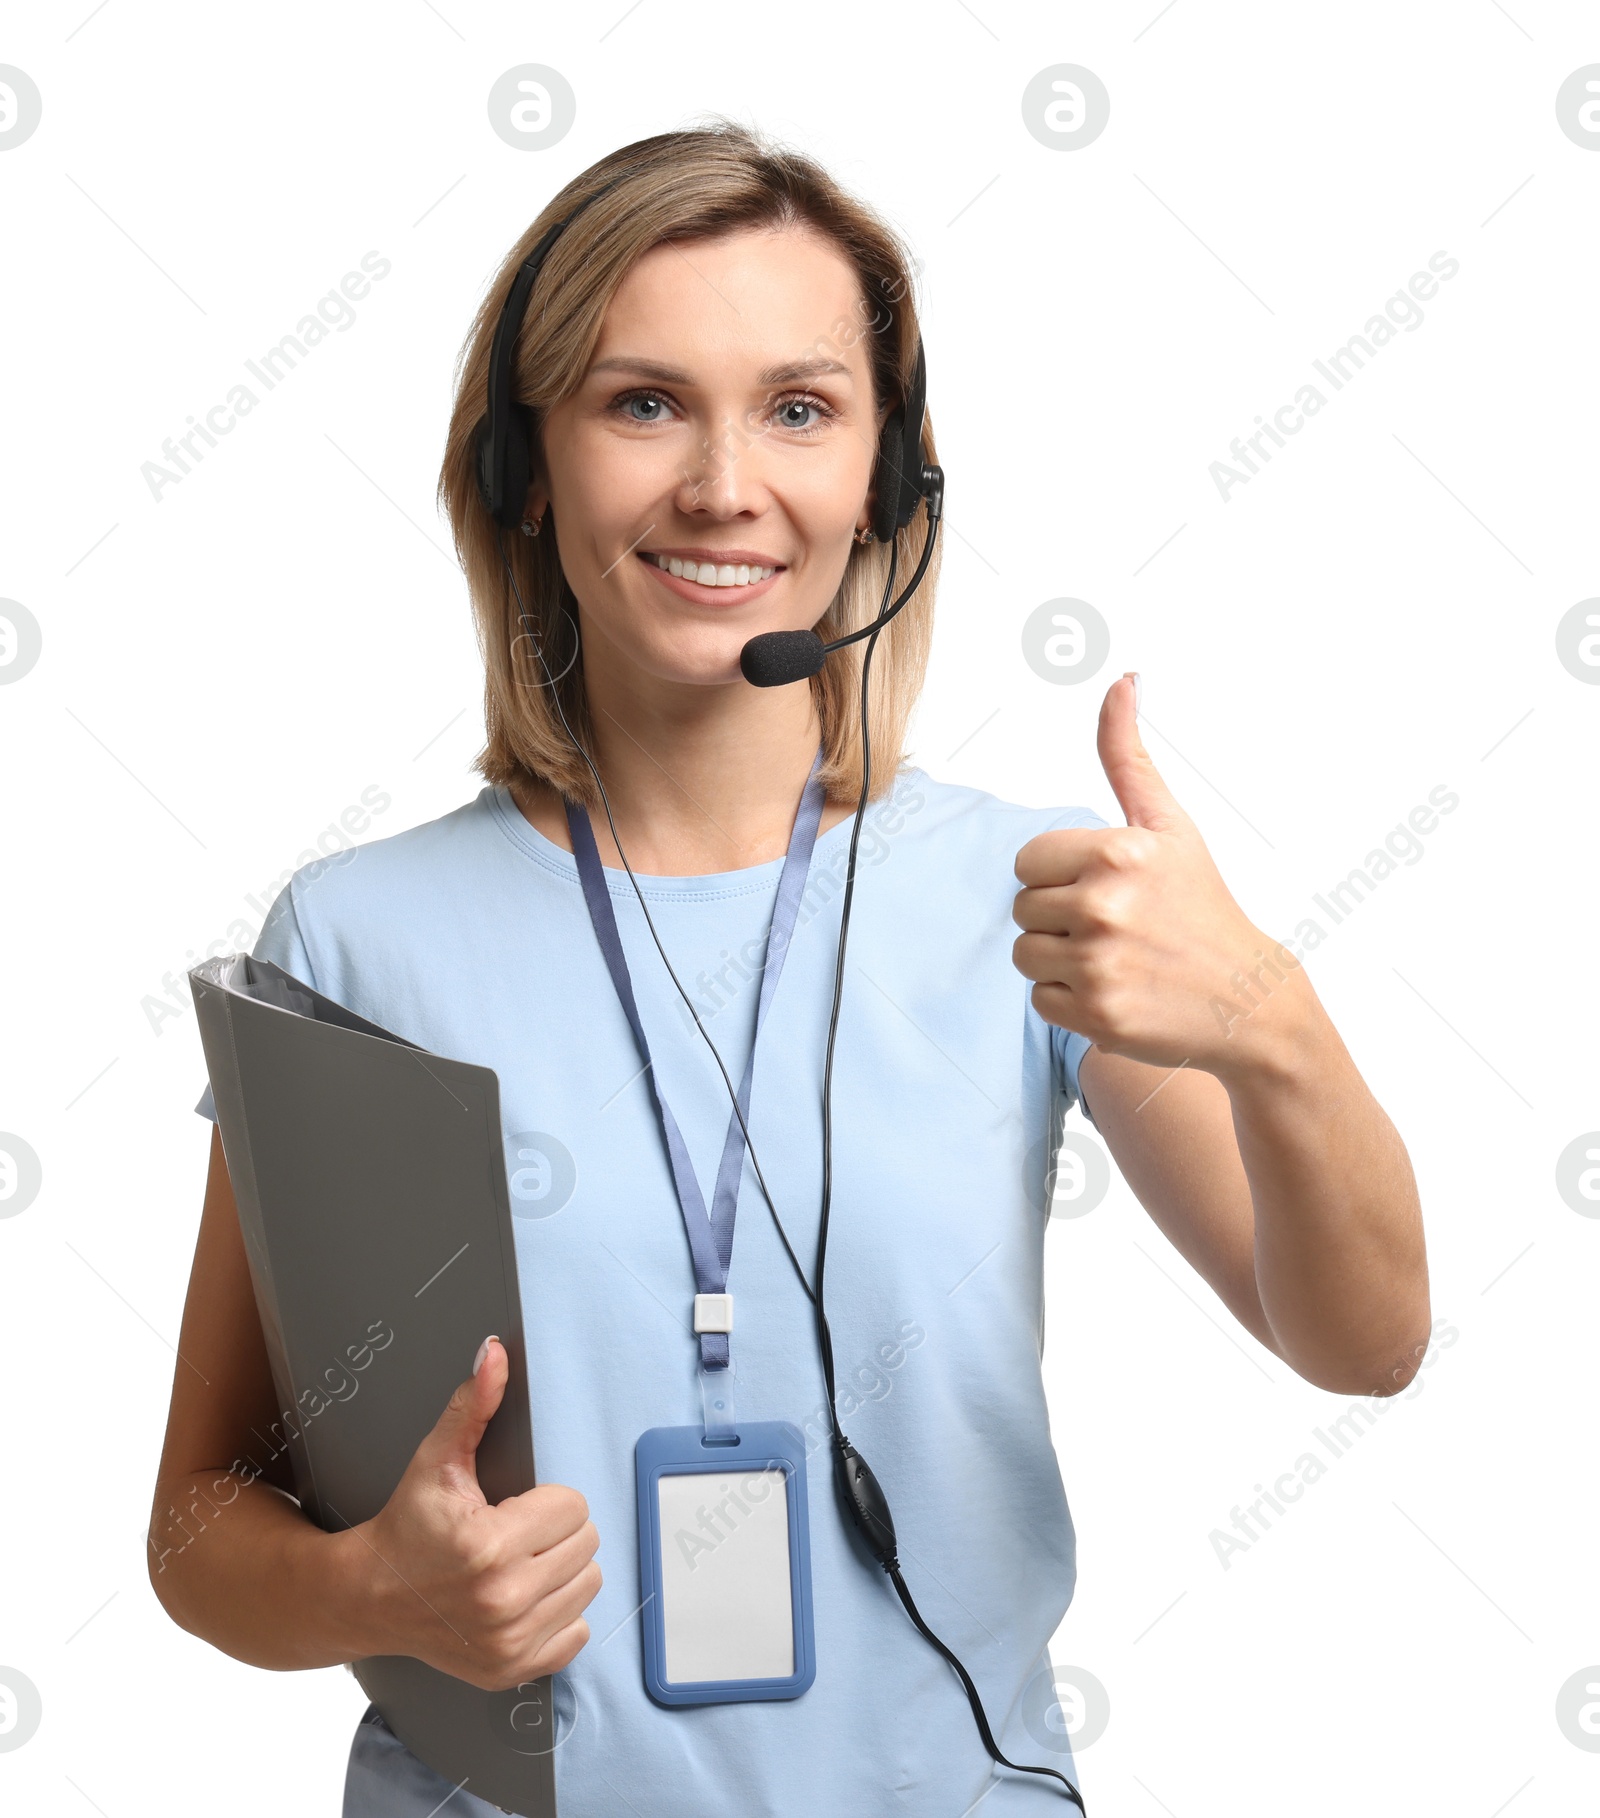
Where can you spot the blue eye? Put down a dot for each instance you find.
(803, 414)
(642, 407)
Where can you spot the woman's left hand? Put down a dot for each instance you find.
(1133, 938)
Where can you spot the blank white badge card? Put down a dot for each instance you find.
(727, 1610)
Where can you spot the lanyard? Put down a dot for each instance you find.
(710, 1234)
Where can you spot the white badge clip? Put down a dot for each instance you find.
(713, 1313)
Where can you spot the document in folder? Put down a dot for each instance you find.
(371, 1186)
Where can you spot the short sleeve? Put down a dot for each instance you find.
(281, 942)
(1070, 1048)
(1066, 1045)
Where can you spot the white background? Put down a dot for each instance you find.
(1373, 615)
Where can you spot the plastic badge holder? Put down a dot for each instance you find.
(725, 1563)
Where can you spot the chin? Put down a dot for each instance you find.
(708, 660)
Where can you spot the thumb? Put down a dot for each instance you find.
(452, 1447)
(1144, 798)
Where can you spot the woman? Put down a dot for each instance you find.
(715, 347)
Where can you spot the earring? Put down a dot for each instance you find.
(864, 535)
(529, 528)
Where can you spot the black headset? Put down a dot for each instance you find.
(504, 440)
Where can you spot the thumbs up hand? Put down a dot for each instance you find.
(1131, 936)
(492, 1593)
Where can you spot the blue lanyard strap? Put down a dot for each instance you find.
(710, 1234)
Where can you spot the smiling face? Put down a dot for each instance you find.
(708, 475)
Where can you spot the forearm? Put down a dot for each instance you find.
(1340, 1260)
(238, 1563)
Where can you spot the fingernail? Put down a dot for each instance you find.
(483, 1352)
(1137, 689)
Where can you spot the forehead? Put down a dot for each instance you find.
(755, 298)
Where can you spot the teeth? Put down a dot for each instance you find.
(713, 574)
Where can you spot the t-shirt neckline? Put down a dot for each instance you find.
(749, 878)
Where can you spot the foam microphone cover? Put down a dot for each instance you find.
(778, 657)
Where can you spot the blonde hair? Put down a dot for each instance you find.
(675, 187)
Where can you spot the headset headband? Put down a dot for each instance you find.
(493, 433)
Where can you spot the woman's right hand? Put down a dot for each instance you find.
(493, 1593)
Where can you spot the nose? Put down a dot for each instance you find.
(724, 478)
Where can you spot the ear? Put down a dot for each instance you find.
(537, 503)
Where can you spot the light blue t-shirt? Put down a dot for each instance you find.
(469, 936)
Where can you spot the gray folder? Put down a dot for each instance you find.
(371, 1185)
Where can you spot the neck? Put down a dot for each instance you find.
(700, 779)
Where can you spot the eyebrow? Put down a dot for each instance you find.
(814, 368)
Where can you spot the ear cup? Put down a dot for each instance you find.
(888, 482)
(516, 465)
(897, 480)
(481, 460)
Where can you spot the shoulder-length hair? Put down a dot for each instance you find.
(676, 187)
